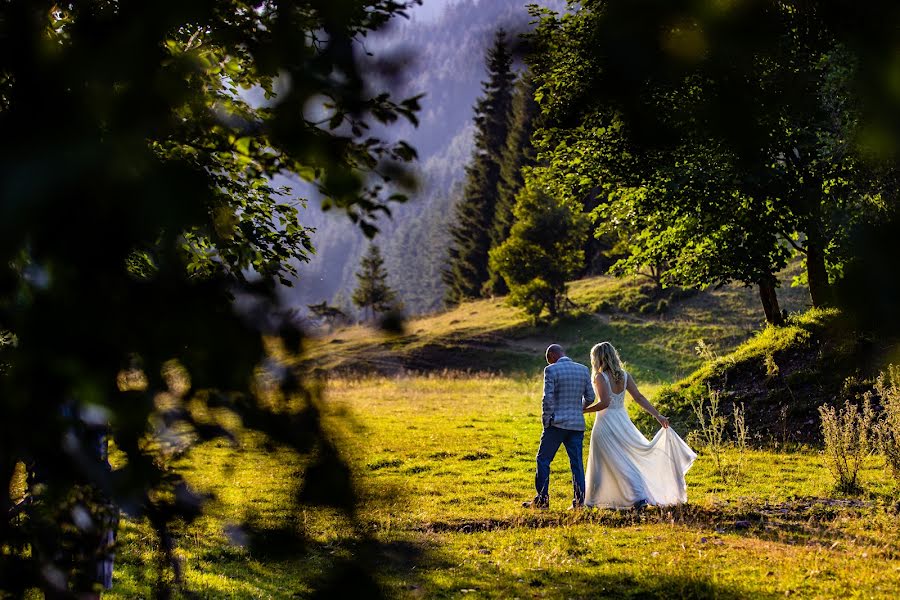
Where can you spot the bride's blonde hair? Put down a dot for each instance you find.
(604, 357)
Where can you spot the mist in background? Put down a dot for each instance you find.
(450, 38)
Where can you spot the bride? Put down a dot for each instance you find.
(624, 470)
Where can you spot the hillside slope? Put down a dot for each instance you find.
(781, 376)
(490, 336)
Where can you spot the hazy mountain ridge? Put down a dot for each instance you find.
(447, 67)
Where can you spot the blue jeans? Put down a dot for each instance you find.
(551, 438)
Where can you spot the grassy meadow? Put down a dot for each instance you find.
(490, 336)
(442, 464)
(441, 461)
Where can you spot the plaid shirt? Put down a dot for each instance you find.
(567, 390)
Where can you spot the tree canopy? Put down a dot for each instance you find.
(137, 212)
(717, 152)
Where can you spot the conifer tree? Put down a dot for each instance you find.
(517, 153)
(544, 250)
(467, 270)
(373, 292)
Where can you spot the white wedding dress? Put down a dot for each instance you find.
(625, 469)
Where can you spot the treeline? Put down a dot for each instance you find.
(508, 236)
(711, 157)
(448, 67)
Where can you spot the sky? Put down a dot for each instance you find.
(430, 10)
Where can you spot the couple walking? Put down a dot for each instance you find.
(624, 470)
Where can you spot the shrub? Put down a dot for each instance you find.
(888, 427)
(772, 369)
(727, 455)
(847, 435)
(533, 296)
(740, 439)
(705, 351)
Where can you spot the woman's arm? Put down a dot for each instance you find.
(632, 388)
(602, 392)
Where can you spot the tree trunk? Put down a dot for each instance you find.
(817, 274)
(769, 298)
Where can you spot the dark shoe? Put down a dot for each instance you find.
(640, 505)
(537, 504)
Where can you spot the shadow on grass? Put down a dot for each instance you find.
(803, 521)
(413, 562)
(491, 580)
(403, 568)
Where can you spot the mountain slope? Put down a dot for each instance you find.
(445, 60)
(780, 375)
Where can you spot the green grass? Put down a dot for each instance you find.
(489, 335)
(442, 464)
(767, 342)
(822, 365)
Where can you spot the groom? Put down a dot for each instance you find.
(567, 390)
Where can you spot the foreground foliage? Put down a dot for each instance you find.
(137, 201)
(847, 435)
(887, 392)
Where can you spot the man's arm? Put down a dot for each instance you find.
(549, 398)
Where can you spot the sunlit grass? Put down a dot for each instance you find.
(492, 336)
(442, 464)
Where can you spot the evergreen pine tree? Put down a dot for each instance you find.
(543, 251)
(518, 153)
(467, 270)
(372, 291)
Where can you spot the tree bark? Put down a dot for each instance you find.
(769, 297)
(817, 274)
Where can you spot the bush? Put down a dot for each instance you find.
(847, 434)
(712, 438)
(740, 439)
(888, 427)
(533, 296)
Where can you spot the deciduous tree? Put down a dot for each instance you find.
(137, 206)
